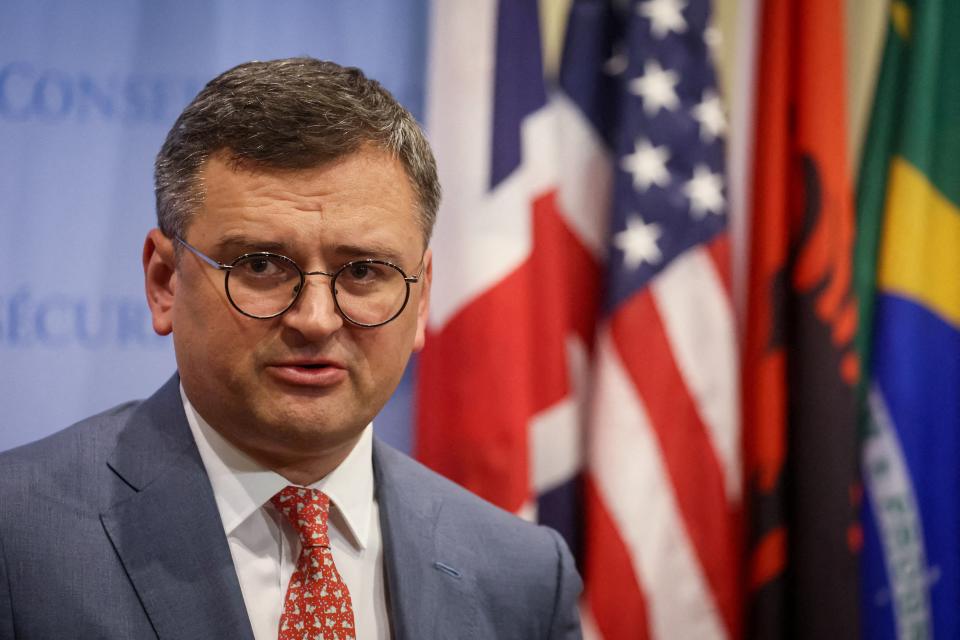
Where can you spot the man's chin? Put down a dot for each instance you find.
(299, 444)
(305, 425)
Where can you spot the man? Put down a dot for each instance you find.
(248, 497)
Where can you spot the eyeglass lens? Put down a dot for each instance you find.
(370, 292)
(264, 285)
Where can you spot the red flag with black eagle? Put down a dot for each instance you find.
(800, 369)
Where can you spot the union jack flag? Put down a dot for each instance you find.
(581, 363)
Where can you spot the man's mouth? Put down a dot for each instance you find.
(319, 373)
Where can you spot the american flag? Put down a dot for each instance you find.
(581, 363)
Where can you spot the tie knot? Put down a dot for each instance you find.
(307, 510)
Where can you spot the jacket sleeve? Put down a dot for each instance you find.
(565, 622)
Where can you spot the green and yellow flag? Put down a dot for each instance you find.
(908, 282)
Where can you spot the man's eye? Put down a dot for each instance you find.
(259, 266)
(360, 271)
(262, 267)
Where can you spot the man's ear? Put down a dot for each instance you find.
(423, 305)
(160, 279)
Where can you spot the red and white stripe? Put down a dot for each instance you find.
(664, 455)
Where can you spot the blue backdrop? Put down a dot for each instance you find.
(87, 93)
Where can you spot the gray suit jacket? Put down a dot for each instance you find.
(109, 529)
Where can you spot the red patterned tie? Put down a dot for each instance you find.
(317, 606)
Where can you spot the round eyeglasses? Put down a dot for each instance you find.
(263, 285)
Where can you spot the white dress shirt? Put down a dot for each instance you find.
(265, 546)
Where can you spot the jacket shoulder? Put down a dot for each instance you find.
(426, 484)
(64, 445)
(64, 466)
(464, 518)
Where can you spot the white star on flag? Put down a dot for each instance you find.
(709, 113)
(656, 87)
(639, 242)
(705, 191)
(713, 38)
(665, 16)
(647, 164)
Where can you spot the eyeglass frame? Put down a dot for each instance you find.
(227, 268)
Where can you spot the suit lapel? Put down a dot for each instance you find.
(168, 532)
(429, 595)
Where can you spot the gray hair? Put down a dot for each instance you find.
(296, 113)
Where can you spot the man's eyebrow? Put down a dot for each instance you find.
(245, 244)
(372, 250)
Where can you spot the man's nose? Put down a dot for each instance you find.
(314, 314)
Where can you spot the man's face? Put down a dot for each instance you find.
(303, 384)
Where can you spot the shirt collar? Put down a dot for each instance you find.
(241, 485)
